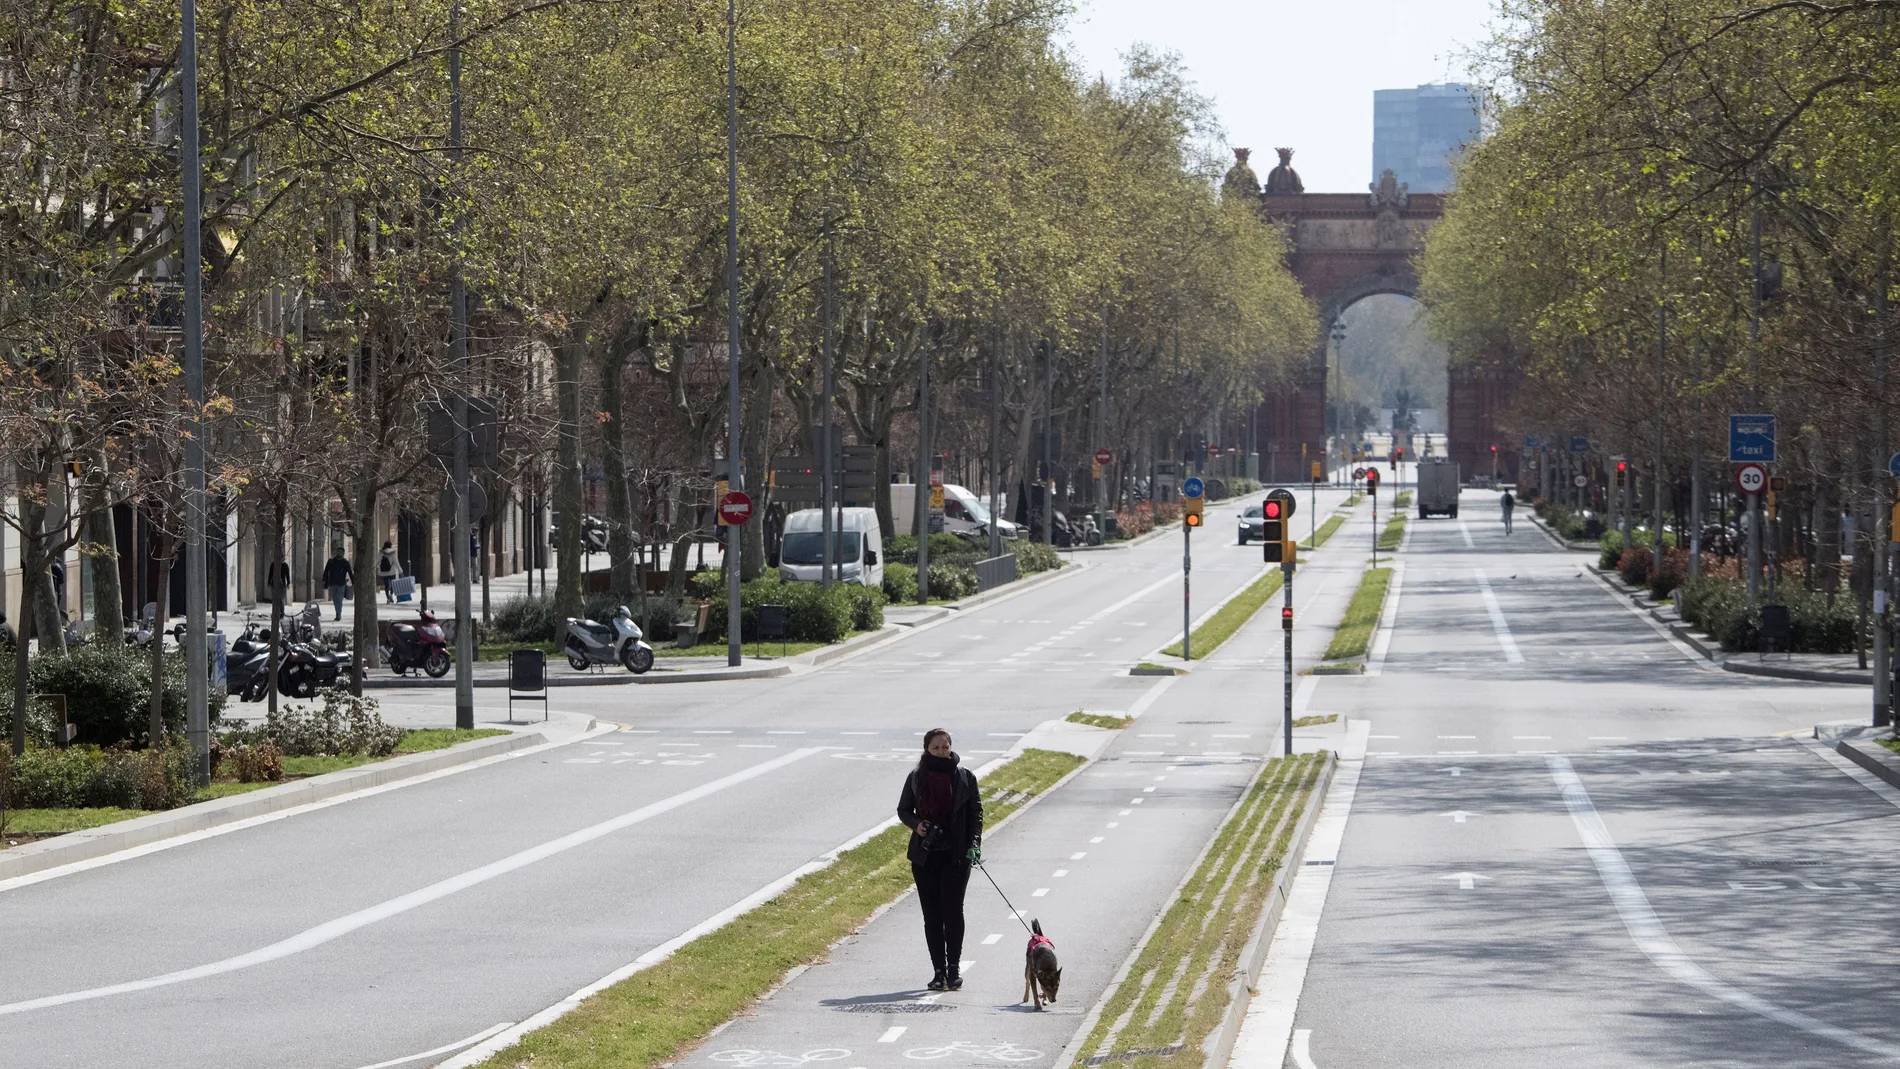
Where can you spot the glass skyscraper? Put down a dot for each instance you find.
(1417, 134)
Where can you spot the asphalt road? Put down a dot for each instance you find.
(412, 919)
(1573, 844)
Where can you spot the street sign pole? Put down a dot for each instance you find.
(1187, 599)
(1286, 628)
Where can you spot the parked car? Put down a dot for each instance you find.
(857, 547)
(1251, 523)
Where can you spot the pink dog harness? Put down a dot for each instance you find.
(1037, 939)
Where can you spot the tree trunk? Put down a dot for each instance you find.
(20, 668)
(613, 450)
(568, 359)
(756, 444)
(102, 548)
(162, 546)
(49, 624)
(363, 559)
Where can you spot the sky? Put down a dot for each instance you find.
(1293, 74)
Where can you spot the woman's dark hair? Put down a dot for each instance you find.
(928, 736)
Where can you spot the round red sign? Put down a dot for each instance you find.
(1104, 457)
(736, 509)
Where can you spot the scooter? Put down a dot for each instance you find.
(419, 645)
(304, 670)
(618, 641)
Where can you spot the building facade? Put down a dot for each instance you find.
(1418, 133)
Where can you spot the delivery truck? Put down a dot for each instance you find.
(1437, 488)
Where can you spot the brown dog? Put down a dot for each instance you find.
(1042, 975)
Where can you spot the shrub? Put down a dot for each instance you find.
(952, 581)
(261, 763)
(900, 583)
(87, 776)
(525, 618)
(343, 724)
(108, 692)
(1675, 568)
(1033, 557)
(817, 614)
(1634, 566)
(1612, 552)
(867, 607)
(1819, 624)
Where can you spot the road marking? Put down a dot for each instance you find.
(1058, 874)
(1302, 1052)
(1448, 737)
(714, 731)
(1467, 881)
(1458, 816)
(1080, 854)
(992, 939)
(1136, 801)
(1039, 892)
(1149, 697)
(1647, 932)
(1530, 738)
(1097, 839)
(1116, 823)
(1466, 532)
(448, 1049)
(1498, 625)
(1146, 790)
(785, 733)
(1124, 812)
(890, 1034)
(344, 925)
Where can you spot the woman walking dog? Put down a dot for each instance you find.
(944, 812)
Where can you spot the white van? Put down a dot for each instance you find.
(858, 547)
(963, 511)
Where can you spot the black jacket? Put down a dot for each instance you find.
(966, 815)
(337, 572)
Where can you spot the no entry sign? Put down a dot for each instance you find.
(735, 509)
(1104, 457)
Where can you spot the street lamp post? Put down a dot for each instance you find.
(197, 685)
(735, 478)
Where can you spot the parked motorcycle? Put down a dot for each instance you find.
(305, 669)
(247, 665)
(619, 641)
(422, 644)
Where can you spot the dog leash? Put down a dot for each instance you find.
(1018, 914)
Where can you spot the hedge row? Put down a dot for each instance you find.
(1820, 624)
(84, 776)
(817, 614)
(108, 693)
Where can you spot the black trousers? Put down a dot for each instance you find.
(942, 877)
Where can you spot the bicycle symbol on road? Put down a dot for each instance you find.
(771, 1059)
(1002, 1052)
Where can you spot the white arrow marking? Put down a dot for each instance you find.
(1466, 880)
(1302, 1049)
(1455, 770)
(1458, 816)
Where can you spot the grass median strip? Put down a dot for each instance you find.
(1096, 720)
(657, 1014)
(1394, 530)
(1326, 531)
(1403, 498)
(1176, 992)
(1362, 615)
(1229, 617)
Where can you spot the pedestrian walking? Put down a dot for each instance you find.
(944, 812)
(337, 576)
(386, 572)
(1507, 503)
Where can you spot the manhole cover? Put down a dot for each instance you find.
(892, 1007)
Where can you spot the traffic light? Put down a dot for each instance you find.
(1286, 618)
(1398, 455)
(1273, 532)
(1622, 474)
(1191, 511)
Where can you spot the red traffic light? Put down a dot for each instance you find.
(1272, 510)
(1286, 619)
(1494, 449)
(1621, 466)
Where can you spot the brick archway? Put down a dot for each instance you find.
(1343, 248)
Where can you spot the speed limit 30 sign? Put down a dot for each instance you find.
(1751, 478)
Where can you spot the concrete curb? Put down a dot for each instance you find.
(1017, 587)
(141, 831)
(1220, 1043)
(850, 646)
(1811, 675)
(1877, 759)
(1584, 547)
(612, 677)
